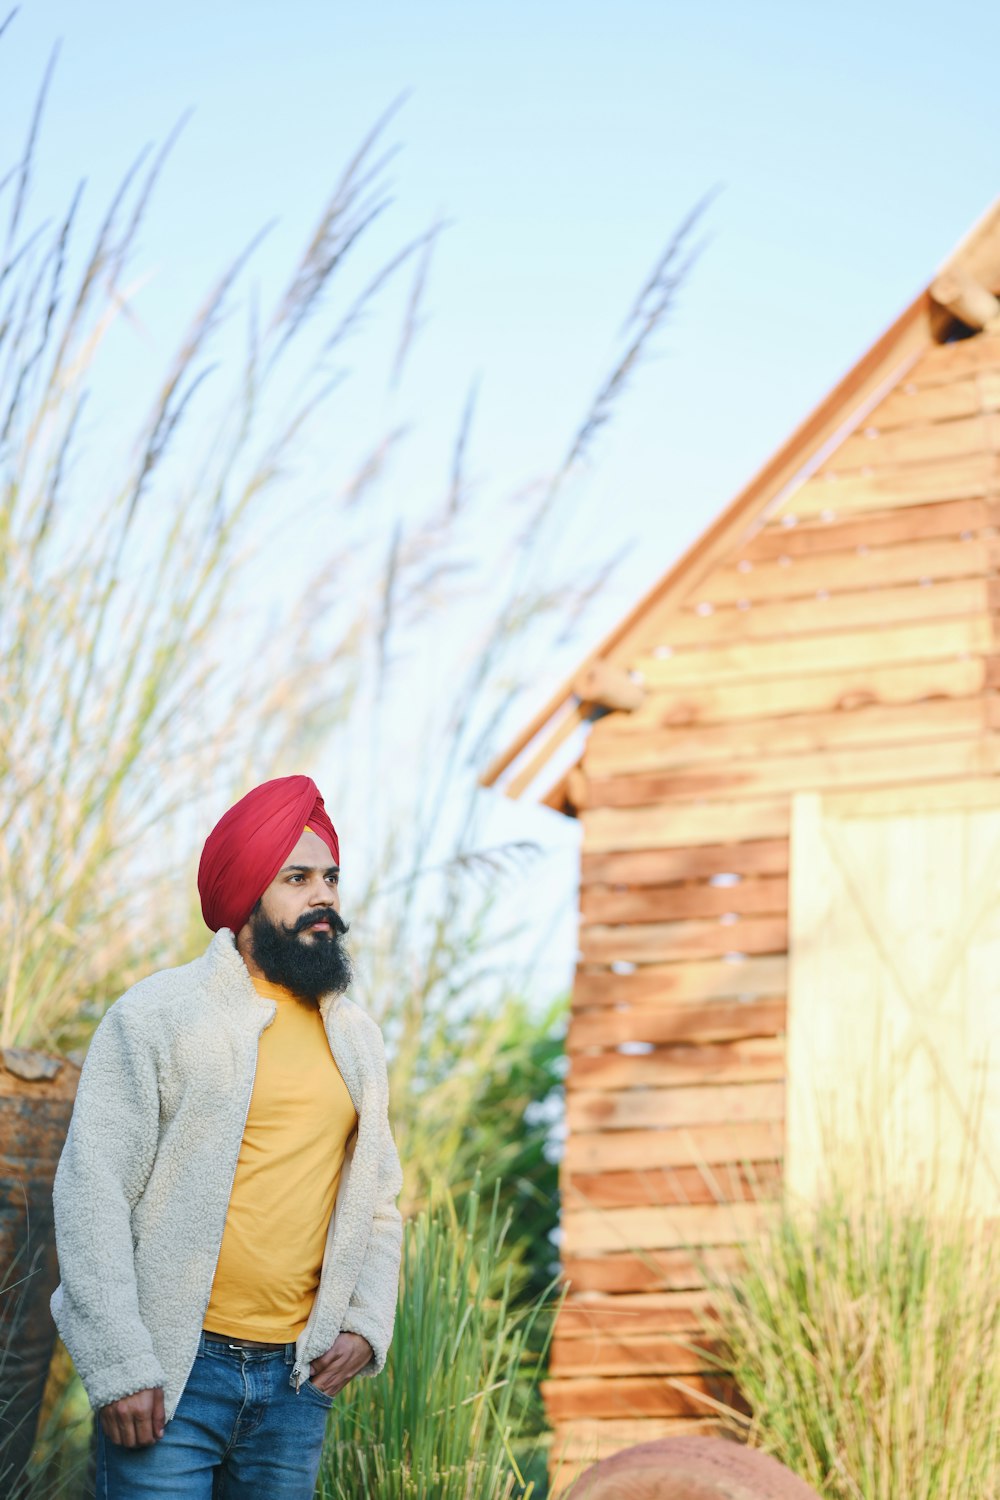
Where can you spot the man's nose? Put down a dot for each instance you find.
(321, 895)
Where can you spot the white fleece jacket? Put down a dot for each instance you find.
(142, 1187)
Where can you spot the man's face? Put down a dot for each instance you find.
(293, 936)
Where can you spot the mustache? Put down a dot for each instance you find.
(327, 914)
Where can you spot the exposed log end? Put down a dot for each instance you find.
(608, 686)
(967, 299)
(576, 788)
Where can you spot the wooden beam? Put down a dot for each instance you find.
(977, 754)
(765, 895)
(668, 1312)
(575, 787)
(831, 493)
(730, 1183)
(645, 1353)
(831, 651)
(932, 442)
(558, 795)
(676, 826)
(709, 1144)
(707, 747)
(925, 401)
(944, 363)
(586, 1230)
(649, 1109)
(767, 698)
(652, 1270)
(698, 1026)
(673, 983)
(569, 724)
(662, 942)
(769, 857)
(778, 618)
(965, 298)
(655, 1395)
(756, 1060)
(978, 252)
(947, 518)
(847, 572)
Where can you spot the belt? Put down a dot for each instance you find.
(243, 1343)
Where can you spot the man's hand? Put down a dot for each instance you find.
(348, 1354)
(135, 1421)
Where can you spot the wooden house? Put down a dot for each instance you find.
(790, 878)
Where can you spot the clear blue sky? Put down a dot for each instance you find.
(854, 145)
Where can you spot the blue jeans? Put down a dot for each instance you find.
(240, 1432)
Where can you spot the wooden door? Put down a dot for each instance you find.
(894, 991)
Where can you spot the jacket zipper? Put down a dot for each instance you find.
(246, 1116)
(300, 1372)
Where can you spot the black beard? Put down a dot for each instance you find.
(309, 967)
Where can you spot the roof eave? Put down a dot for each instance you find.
(917, 328)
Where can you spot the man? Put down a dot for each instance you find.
(225, 1204)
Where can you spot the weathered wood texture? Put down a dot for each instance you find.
(726, 1144)
(729, 1183)
(652, 1271)
(769, 857)
(667, 748)
(645, 1353)
(660, 983)
(728, 1062)
(680, 1395)
(707, 1022)
(845, 641)
(778, 619)
(846, 691)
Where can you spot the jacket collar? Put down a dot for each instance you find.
(227, 976)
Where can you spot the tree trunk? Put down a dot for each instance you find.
(36, 1101)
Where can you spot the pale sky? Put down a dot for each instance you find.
(854, 145)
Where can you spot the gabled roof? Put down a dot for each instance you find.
(958, 295)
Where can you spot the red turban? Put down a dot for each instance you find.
(250, 843)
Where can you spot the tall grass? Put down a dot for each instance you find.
(139, 690)
(127, 688)
(865, 1336)
(442, 1423)
(59, 1464)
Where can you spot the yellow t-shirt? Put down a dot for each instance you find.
(300, 1120)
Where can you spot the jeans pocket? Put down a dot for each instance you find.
(317, 1394)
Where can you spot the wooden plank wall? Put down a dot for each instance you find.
(851, 642)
